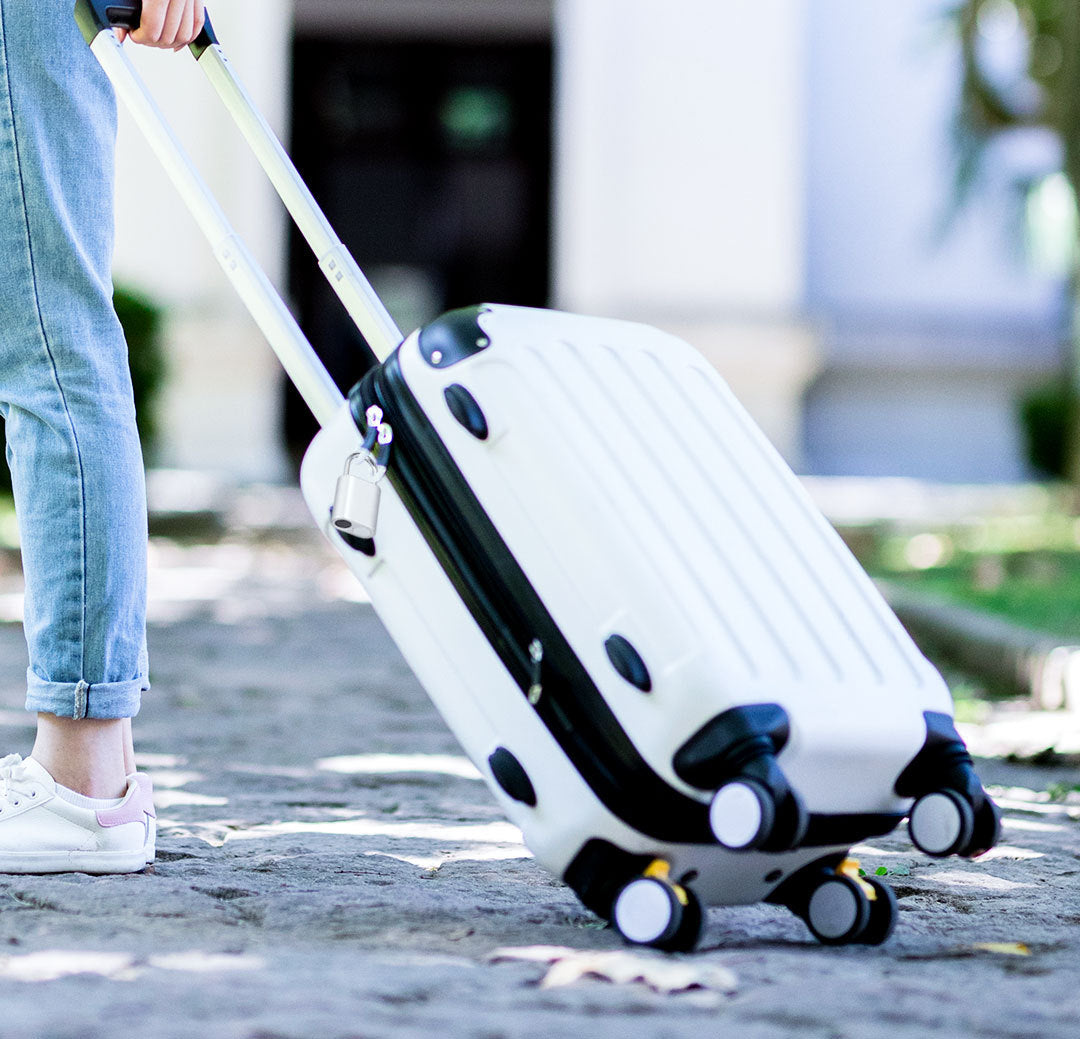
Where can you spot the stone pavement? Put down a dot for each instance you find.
(330, 866)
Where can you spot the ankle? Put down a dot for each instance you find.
(84, 755)
(99, 781)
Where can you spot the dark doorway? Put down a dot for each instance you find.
(433, 162)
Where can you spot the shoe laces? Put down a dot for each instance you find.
(14, 782)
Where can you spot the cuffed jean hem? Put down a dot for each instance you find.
(80, 700)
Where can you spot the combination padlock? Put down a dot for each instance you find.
(356, 499)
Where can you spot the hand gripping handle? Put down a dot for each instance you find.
(94, 16)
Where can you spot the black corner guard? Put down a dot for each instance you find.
(744, 742)
(720, 748)
(453, 337)
(943, 760)
(599, 871)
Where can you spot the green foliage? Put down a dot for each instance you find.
(1021, 562)
(1045, 416)
(884, 871)
(1059, 792)
(141, 319)
(1038, 95)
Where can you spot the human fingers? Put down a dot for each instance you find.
(169, 23)
(192, 25)
(151, 22)
(174, 20)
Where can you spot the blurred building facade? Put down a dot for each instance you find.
(768, 180)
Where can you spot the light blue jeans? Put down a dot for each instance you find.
(65, 388)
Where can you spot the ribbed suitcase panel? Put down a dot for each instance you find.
(703, 524)
(641, 500)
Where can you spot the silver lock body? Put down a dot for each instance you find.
(356, 500)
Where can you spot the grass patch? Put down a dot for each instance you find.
(1025, 569)
(1037, 590)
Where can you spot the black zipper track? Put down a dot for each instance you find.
(511, 615)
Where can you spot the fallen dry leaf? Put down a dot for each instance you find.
(1004, 948)
(660, 973)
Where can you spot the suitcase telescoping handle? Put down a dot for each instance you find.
(120, 14)
(97, 18)
(335, 261)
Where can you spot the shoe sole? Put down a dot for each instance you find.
(96, 862)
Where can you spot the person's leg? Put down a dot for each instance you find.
(66, 395)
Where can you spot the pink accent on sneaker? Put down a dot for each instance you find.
(146, 792)
(138, 804)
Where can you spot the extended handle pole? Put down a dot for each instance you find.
(259, 295)
(335, 261)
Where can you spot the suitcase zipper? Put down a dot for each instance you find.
(516, 623)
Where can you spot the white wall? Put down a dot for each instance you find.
(679, 181)
(680, 155)
(221, 406)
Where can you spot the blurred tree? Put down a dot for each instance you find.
(1021, 70)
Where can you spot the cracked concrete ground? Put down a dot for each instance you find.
(329, 866)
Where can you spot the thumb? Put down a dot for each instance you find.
(121, 34)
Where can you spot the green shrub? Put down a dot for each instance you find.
(1045, 414)
(142, 320)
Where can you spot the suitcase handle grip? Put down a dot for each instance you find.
(125, 14)
(106, 14)
(94, 16)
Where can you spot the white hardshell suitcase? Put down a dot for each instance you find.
(673, 674)
(646, 511)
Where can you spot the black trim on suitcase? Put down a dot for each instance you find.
(512, 616)
(824, 831)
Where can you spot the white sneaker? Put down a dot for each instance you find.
(40, 832)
